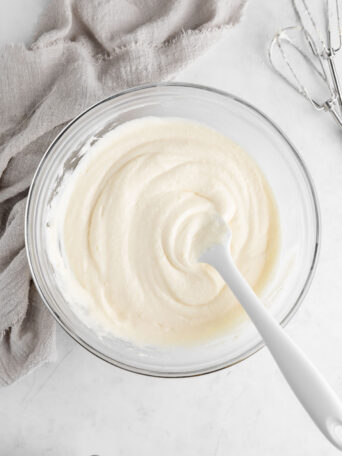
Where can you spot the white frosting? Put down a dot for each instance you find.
(128, 225)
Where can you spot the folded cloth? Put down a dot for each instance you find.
(82, 52)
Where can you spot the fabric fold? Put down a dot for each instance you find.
(82, 52)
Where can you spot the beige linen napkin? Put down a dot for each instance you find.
(84, 50)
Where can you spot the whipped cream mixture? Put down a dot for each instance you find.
(128, 226)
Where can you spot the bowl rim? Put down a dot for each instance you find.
(294, 308)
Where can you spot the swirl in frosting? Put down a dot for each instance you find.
(133, 217)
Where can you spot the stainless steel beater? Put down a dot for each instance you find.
(311, 48)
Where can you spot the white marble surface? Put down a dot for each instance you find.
(80, 406)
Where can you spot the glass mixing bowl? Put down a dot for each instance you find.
(281, 164)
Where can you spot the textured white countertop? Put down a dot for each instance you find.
(81, 406)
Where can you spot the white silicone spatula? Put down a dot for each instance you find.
(312, 390)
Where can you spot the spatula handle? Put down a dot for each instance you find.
(312, 390)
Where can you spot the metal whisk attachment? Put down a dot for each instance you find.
(304, 55)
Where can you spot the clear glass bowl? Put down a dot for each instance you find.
(287, 175)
